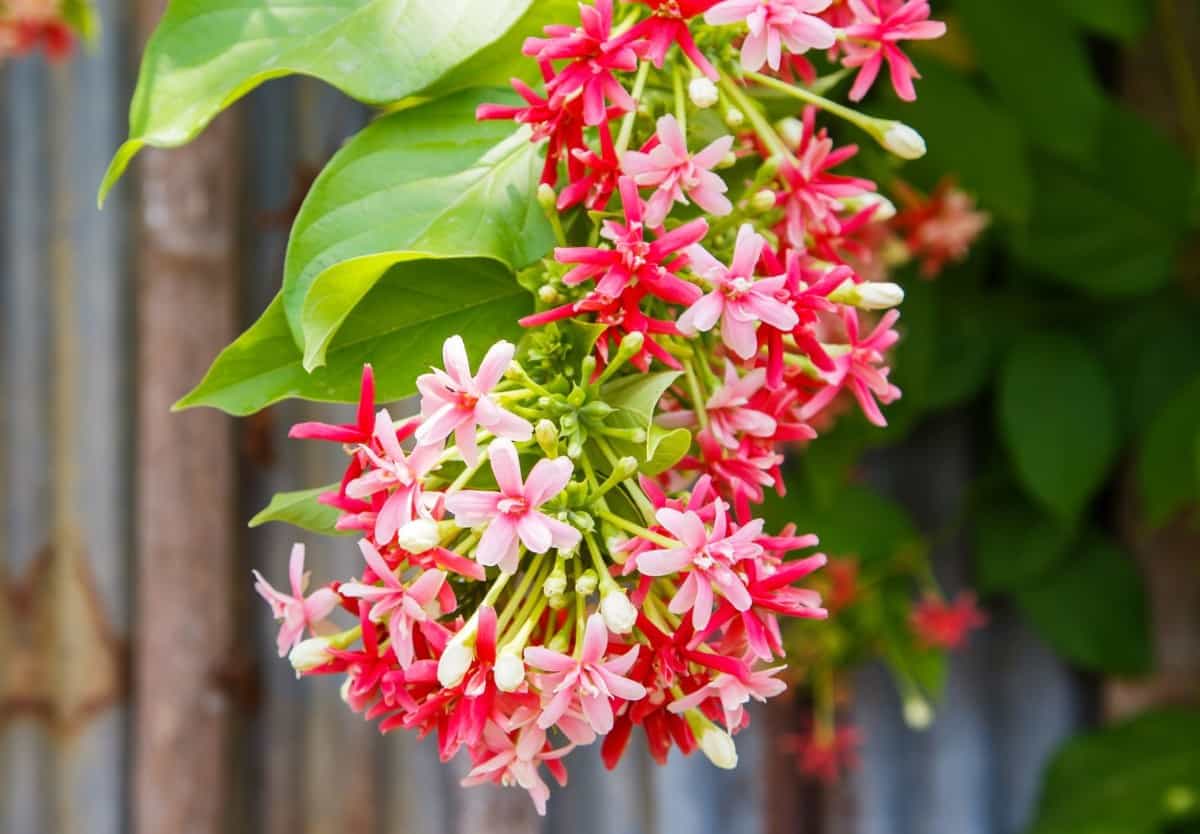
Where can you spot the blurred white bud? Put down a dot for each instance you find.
(762, 201)
(903, 141)
(885, 209)
(734, 117)
(879, 295)
(555, 584)
(917, 712)
(702, 92)
(619, 613)
(719, 747)
(509, 671)
(586, 583)
(454, 663)
(419, 535)
(309, 654)
(791, 131)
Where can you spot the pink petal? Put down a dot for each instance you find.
(547, 479)
(454, 356)
(498, 545)
(506, 466)
(534, 535)
(499, 357)
(472, 507)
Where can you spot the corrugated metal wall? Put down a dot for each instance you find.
(291, 758)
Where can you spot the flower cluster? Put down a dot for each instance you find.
(562, 544)
(27, 25)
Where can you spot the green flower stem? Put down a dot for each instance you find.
(519, 595)
(629, 527)
(680, 99)
(868, 123)
(757, 120)
(639, 86)
(698, 398)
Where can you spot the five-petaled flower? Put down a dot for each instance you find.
(298, 612)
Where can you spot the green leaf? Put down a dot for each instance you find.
(639, 393)
(81, 16)
(400, 327)
(1122, 19)
(1138, 777)
(206, 54)
(1016, 544)
(301, 509)
(1092, 609)
(969, 135)
(1167, 472)
(1058, 421)
(1056, 99)
(427, 182)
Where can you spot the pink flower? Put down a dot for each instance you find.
(871, 40)
(738, 300)
(515, 758)
(396, 473)
(357, 432)
(775, 24)
(709, 559)
(861, 369)
(592, 681)
(453, 401)
(400, 606)
(945, 625)
(674, 173)
(822, 752)
(728, 409)
(297, 612)
(939, 228)
(594, 59)
(668, 25)
(734, 692)
(512, 513)
(632, 258)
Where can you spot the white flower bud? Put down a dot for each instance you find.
(791, 131)
(885, 209)
(454, 663)
(734, 117)
(509, 671)
(419, 535)
(762, 201)
(309, 654)
(586, 583)
(702, 92)
(555, 584)
(548, 294)
(879, 295)
(719, 747)
(917, 712)
(618, 612)
(903, 141)
(344, 691)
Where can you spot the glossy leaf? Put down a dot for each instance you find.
(639, 393)
(206, 54)
(1058, 421)
(1016, 544)
(1092, 609)
(427, 182)
(399, 327)
(1124, 19)
(301, 509)
(1138, 777)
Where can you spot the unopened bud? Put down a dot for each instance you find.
(917, 712)
(762, 201)
(734, 117)
(903, 141)
(556, 583)
(702, 92)
(718, 746)
(879, 295)
(791, 131)
(885, 209)
(548, 294)
(454, 663)
(309, 654)
(546, 197)
(509, 671)
(546, 434)
(619, 613)
(586, 583)
(727, 161)
(419, 535)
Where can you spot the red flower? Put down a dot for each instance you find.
(945, 625)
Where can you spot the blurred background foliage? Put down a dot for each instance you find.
(1070, 340)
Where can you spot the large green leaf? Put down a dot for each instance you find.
(301, 509)
(426, 182)
(1139, 777)
(1167, 470)
(399, 327)
(1124, 19)
(1092, 609)
(1015, 543)
(640, 393)
(206, 54)
(1058, 421)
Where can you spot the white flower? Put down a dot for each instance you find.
(618, 612)
(879, 295)
(454, 662)
(509, 671)
(309, 654)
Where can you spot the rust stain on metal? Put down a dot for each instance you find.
(32, 682)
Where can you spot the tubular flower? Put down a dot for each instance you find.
(675, 175)
(775, 24)
(872, 37)
(298, 612)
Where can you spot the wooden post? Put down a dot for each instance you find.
(185, 484)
